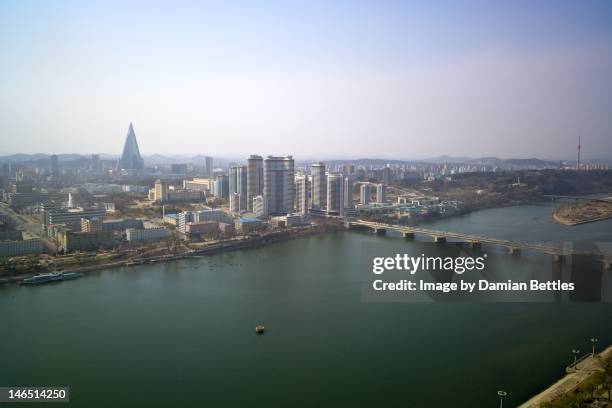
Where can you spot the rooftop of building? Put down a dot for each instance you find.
(249, 219)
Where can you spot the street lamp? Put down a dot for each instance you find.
(501, 394)
(594, 340)
(575, 353)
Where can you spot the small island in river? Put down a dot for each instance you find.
(583, 212)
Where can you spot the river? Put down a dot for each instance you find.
(182, 333)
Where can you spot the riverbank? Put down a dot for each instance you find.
(573, 380)
(217, 247)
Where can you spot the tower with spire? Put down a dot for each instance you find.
(130, 158)
(578, 161)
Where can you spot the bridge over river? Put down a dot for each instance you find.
(514, 247)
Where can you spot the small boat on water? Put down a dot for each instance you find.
(50, 277)
(260, 329)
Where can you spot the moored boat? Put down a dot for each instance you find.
(50, 277)
(43, 278)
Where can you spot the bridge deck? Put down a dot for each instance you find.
(534, 246)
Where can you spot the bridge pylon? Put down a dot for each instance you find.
(514, 251)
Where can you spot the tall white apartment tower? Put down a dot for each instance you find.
(238, 184)
(381, 193)
(255, 179)
(335, 194)
(279, 184)
(319, 186)
(364, 194)
(348, 192)
(208, 166)
(302, 194)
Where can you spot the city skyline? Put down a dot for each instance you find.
(365, 80)
(130, 156)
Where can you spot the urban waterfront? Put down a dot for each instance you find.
(182, 333)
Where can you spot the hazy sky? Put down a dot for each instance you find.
(344, 78)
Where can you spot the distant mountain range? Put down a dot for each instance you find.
(152, 160)
(158, 159)
(21, 158)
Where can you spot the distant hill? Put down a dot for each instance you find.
(494, 161)
(446, 159)
(162, 160)
(20, 157)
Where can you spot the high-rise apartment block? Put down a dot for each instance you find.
(381, 193)
(302, 194)
(221, 187)
(238, 185)
(208, 166)
(364, 194)
(348, 192)
(335, 194)
(279, 184)
(319, 186)
(255, 179)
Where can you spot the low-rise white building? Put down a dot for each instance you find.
(148, 234)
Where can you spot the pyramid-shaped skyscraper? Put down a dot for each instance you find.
(130, 158)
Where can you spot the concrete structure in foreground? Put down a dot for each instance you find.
(576, 375)
(279, 185)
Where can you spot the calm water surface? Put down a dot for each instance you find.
(182, 333)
